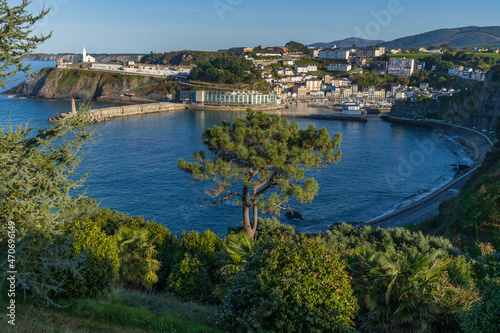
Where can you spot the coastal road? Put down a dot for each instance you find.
(429, 206)
(425, 210)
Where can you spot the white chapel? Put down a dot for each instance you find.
(87, 57)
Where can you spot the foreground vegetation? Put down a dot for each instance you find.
(84, 265)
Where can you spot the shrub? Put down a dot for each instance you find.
(484, 316)
(189, 280)
(137, 254)
(268, 228)
(203, 246)
(290, 286)
(99, 270)
(346, 237)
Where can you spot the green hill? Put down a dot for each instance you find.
(457, 37)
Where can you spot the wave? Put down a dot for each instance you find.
(420, 195)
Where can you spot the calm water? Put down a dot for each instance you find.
(133, 167)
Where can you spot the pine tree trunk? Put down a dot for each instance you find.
(246, 221)
(255, 218)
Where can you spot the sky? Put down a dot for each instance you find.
(125, 26)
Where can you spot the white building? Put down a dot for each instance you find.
(87, 57)
(336, 54)
(306, 68)
(351, 109)
(235, 98)
(401, 67)
(340, 82)
(284, 71)
(339, 67)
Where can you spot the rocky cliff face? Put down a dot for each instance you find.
(479, 106)
(67, 83)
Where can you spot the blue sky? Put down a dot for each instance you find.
(125, 26)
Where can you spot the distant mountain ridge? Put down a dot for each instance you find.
(456, 37)
(348, 42)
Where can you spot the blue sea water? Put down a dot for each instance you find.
(133, 166)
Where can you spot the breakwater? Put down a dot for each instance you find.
(100, 115)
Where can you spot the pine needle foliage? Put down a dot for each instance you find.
(37, 177)
(262, 155)
(16, 38)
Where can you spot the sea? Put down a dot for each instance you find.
(132, 165)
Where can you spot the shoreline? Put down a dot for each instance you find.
(476, 146)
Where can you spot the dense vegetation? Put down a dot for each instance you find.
(225, 69)
(371, 280)
(178, 58)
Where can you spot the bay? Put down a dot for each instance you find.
(133, 166)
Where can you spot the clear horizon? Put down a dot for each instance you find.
(125, 27)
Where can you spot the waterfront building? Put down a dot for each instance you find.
(351, 109)
(234, 98)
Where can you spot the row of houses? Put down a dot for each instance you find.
(400, 92)
(467, 73)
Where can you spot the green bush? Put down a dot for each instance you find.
(189, 280)
(346, 237)
(268, 228)
(99, 270)
(203, 246)
(484, 316)
(290, 286)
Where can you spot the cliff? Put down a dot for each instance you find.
(478, 106)
(52, 83)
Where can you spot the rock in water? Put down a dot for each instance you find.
(294, 215)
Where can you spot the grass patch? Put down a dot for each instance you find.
(119, 311)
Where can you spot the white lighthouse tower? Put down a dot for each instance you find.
(87, 57)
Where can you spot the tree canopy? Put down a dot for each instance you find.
(16, 38)
(262, 154)
(225, 69)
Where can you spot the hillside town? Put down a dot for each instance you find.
(319, 75)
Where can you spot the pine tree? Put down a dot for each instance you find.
(16, 38)
(262, 154)
(37, 177)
